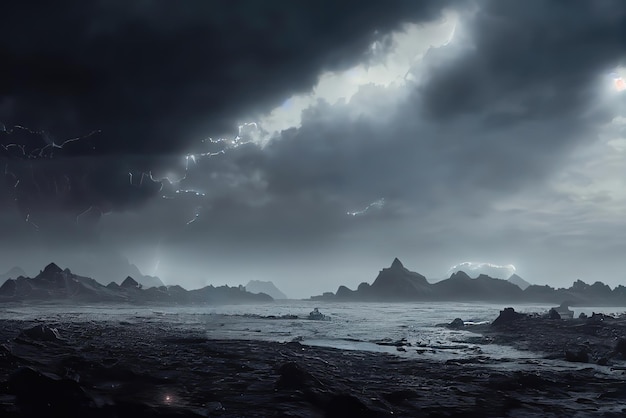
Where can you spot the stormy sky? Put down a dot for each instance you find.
(311, 142)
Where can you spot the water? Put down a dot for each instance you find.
(353, 326)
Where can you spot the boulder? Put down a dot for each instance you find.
(456, 324)
(41, 333)
(507, 316)
(553, 314)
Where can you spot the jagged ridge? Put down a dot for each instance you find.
(55, 284)
(397, 283)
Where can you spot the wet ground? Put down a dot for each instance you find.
(123, 369)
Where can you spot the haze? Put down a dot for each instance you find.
(309, 143)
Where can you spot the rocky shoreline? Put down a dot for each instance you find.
(599, 339)
(122, 369)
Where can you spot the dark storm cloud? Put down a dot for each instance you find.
(498, 112)
(542, 57)
(42, 177)
(154, 74)
(154, 77)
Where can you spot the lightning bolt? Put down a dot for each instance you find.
(26, 148)
(378, 204)
(193, 159)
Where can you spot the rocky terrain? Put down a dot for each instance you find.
(398, 284)
(598, 339)
(74, 368)
(53, 284)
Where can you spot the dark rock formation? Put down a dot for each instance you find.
(456, 324)
(507, 316)
(563, 310)
(41, 333)
(553, 314)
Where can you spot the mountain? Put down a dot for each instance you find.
(258, 286)
(14, 273)
(396, 284)
(461, 287)
(143, 279)
(55, 284)
(518, 281)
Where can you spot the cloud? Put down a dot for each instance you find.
(42, 177)
(154, 76)
(392, 140)
(478, 142)
(155, 79)
(491, 270)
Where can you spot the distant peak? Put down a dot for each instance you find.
(130, 282)
(52, 269)
(397, 264)
(460, 275)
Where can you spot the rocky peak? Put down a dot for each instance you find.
(397, 264)
(460, 275)
(51, 269)
(129, 282)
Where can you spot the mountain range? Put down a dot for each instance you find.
(56, 284)
(398, 284)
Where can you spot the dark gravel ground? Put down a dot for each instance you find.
(112, 369)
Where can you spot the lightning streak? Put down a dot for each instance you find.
(378, 204)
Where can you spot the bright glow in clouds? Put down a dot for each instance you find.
(492, 270)
(410, 45)
(618, 82)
